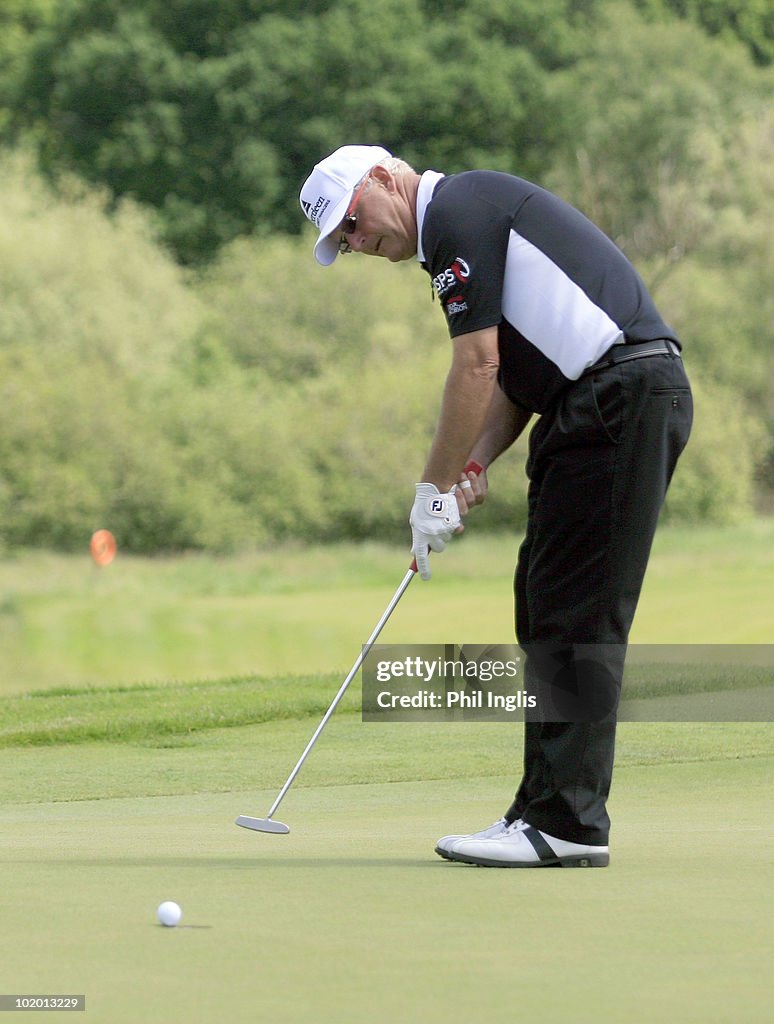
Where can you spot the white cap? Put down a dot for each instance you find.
(327, 193)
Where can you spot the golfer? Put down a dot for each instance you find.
(548, 319)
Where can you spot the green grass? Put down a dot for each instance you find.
(304, 611)
(71, 715)
(123, 766)
(261, 756)
(352, 917)
(176, 712)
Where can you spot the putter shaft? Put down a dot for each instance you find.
(244, 820)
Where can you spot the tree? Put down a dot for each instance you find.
(633, 134)
(750, 21)
(213, 114)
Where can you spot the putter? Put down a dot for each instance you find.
(268, 824)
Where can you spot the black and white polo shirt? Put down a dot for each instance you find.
(502, 251)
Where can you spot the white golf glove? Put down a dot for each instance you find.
(434, 518)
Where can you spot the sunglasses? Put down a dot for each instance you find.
(349, 223)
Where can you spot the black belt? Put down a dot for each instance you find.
(637, 350)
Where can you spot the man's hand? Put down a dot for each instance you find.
(434, 518)
(471, 488)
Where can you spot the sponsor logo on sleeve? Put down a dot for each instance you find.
(460, 269)
(457, 273)
(456, 304)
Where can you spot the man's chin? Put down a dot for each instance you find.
(400, 257)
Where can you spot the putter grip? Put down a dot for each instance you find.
(471, 467)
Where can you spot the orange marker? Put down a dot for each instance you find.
(103, 547)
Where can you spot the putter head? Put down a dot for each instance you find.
(262, 825)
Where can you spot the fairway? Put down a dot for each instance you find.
(301, 610)
(352, 917)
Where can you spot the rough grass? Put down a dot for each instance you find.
(130, 714)
(149, 713)
(296, 610)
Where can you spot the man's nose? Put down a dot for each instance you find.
(356, 241)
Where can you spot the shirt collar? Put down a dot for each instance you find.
(427, 184)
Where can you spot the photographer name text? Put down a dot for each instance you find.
(462, 699)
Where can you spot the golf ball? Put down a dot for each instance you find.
(169, 913)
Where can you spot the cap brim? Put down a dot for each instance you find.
(326, 248)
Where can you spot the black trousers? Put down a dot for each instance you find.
(600, 461)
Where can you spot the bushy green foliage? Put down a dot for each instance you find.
(751, 21)
(262, 397)
(355, 358)
(671, 149)
(266, 398)
(95, 315)
(714, 478)
(641, 139)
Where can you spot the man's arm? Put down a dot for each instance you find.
(504, 423)
(476, 422)
(471, 385)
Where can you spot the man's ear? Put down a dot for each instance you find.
(383, 176)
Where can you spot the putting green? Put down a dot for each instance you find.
(352, 917)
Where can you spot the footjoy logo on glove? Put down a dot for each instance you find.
(437, 506)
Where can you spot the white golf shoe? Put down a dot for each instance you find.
(444, 845)
(522, 846)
